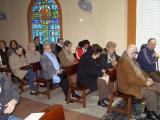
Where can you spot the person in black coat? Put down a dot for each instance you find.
(59, 45)
(88, 73)
(108, 58)
(3, 53)
(39, 47)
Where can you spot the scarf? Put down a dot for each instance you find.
(54, 61)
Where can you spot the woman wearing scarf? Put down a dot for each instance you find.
(51, 68)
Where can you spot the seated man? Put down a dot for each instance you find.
(9, 97)
(132, 81)
(147, 59)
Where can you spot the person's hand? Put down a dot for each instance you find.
(149, 82)
(3, 66)
(59, 71)
(157, 55)
(10, 106)
(114, 63)
(104, 71)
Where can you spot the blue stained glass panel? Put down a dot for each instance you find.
(45, 21)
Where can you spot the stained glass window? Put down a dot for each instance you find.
(46, 21)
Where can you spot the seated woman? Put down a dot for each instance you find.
(32, 55)
(9, 97)
(82, 48)
(51, 68)
(65, 55)
(3, 53)
(108, 58)
(88, 73)
(16, 61)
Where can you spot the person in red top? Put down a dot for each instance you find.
(82, 48)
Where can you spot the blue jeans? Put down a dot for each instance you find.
(30, 78)
(13, 118)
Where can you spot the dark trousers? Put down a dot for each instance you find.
(154, 75)
(64, 83)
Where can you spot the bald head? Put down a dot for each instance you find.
(131, 51)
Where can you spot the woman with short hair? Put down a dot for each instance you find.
(32, 55)
(88, 73)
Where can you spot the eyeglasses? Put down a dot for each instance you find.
(135, 52)
(69, 46)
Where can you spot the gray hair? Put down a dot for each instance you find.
(45, 45)
(30, 45)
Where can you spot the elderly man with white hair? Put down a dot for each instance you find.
(132, 81)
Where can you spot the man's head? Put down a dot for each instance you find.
(151, 44)
(131, 51)
(36, 40)
(60, 41)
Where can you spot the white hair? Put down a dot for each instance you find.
(130, 49)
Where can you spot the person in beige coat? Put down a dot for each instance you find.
(32, 55)
(65, 55)
(16, 61)
(132, 81)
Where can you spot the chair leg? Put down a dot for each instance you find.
(129, 107)
(69, 95)
(37, 88)
(109, 108)
(48, 90)
(21, 87)
(84, 98)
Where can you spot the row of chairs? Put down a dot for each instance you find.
(71, 70)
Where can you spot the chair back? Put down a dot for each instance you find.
(112, 79)
(71, 72)
(36, 66)
(53, 113)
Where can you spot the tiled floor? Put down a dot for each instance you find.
(57, 97)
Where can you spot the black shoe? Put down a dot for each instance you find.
(152, 116)
(102, 104)
(75, 95)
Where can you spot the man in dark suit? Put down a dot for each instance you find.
(59, 45)
(39, 47)
(3, 53)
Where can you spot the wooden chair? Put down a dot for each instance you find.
(116, 93)
(36, 67)
(72, 70)
(53, 113)
(22, 82)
